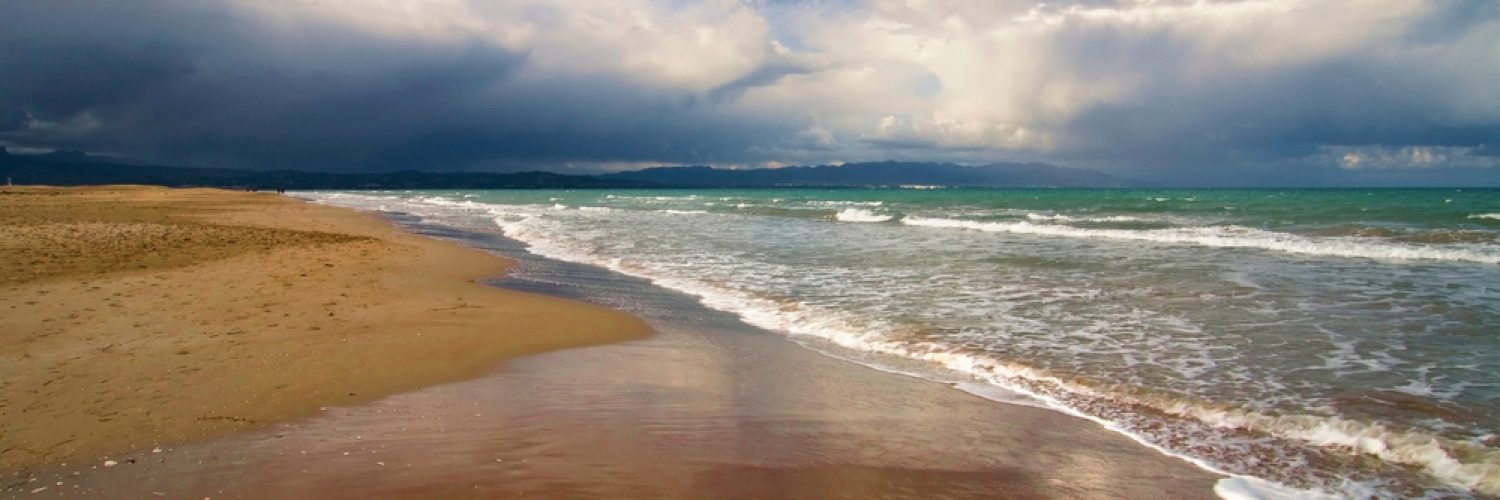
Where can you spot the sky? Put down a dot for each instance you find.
(1227, 92)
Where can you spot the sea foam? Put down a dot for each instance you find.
(1068, 218)
(1231, 237)
(799, 319)
(860, 215)
(1474, 468)
(1254, 488)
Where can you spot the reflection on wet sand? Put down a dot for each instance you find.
(678, 415)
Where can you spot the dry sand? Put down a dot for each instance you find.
(136, 316)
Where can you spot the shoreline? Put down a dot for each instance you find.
(708, 407)
(1229, 485)
(737, 256)
(145, 316)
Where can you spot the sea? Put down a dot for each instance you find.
(1304, 342)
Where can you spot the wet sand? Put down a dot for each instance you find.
(708, 408)
(134, 317)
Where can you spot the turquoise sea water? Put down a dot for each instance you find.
(1344, 341)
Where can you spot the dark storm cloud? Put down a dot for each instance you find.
(1280, 115)
(1163, 90)
(178, 82)
(1418, 90)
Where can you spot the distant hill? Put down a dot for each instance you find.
(75, 168)
(879, 174)
(70, 169)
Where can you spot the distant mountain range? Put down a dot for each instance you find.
(69, 169)
(878, 174)
(74, 168)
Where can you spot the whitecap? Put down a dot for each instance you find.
(860, 215)
(1232, 237)
(1068, 218)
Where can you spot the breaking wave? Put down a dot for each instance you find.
(1232, 237)
(860, 215)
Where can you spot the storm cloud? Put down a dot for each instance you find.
(1244, 91)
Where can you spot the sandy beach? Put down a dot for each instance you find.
(198, 343)
(134, 317)
(707, 408)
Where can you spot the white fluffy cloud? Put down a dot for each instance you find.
(1016, 76)
(695, 46)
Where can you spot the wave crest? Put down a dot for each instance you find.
(1231, 237)
(1068, 218)
(859, 215)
